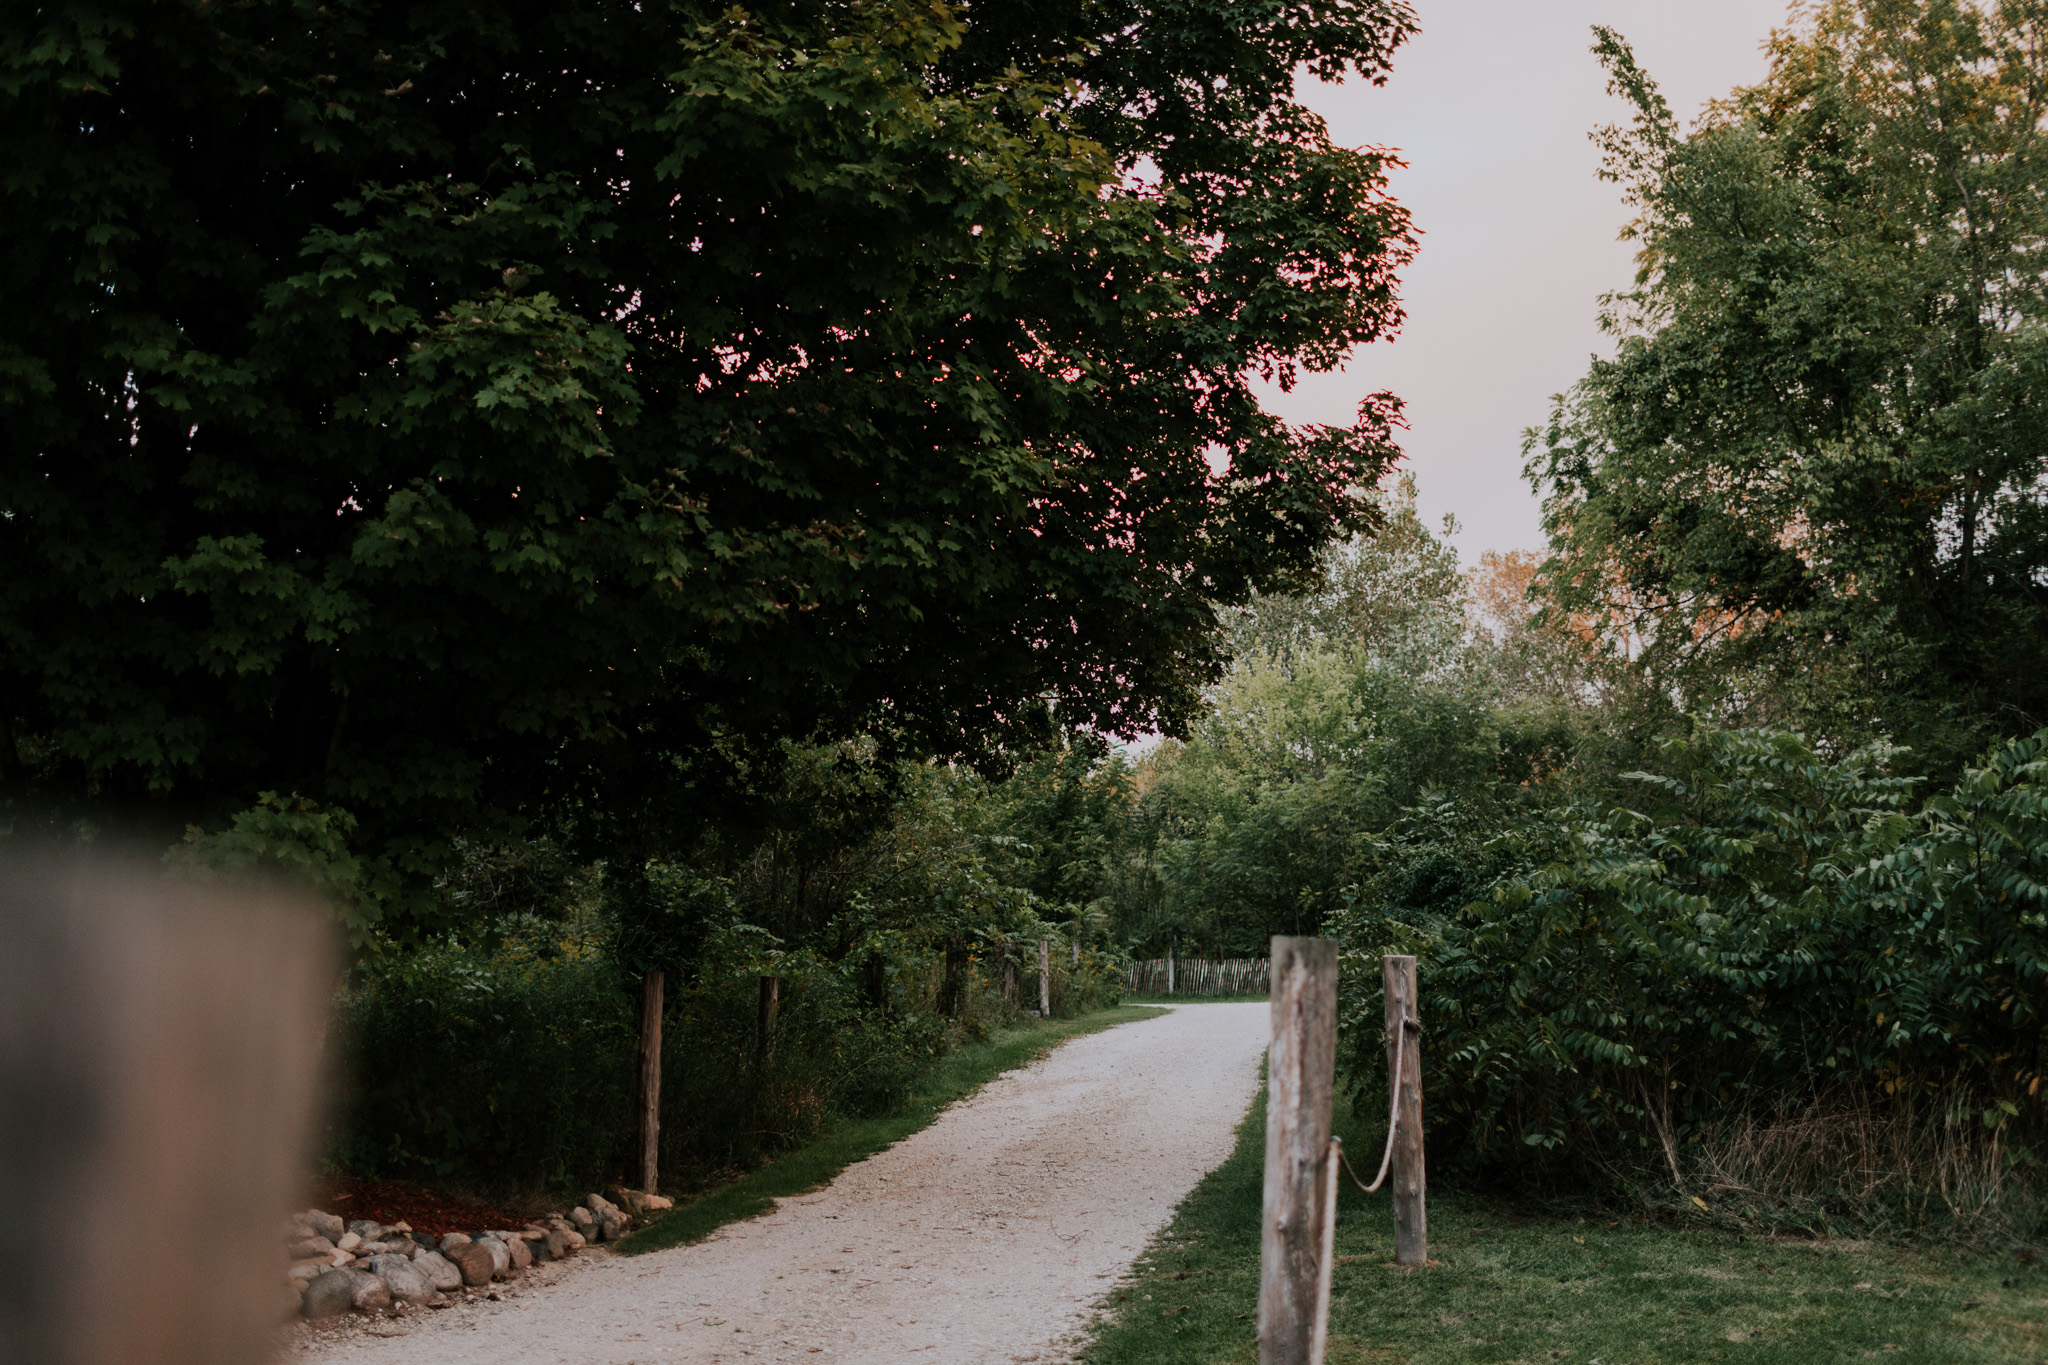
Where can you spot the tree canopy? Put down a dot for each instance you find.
(1809, 485)
(417, 414)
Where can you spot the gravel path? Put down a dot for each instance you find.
(988, 1237)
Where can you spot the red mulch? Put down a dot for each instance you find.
(429, 1212)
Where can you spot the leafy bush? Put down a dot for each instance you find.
(515, 1068)
(488, 1069)
(1776, 933)
(510, 1064)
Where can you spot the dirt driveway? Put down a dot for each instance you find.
(988, 1237)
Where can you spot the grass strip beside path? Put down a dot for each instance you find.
(1511, 1285)
(957, 1075)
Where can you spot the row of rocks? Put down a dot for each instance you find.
(368, 1267)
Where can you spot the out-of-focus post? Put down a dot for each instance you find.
(1044, 979)
(160, 1051)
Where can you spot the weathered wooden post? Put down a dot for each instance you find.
(1169, 966)
(1300, 1072)
(650, 1079)
(1404, 1055)
(1044, 979)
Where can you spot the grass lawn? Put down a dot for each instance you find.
(959, 1074)
(1516, 1286)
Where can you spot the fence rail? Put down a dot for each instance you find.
(1197, 976)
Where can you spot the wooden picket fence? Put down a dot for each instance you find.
(1196, 976)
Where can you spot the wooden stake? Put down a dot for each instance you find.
(1300, 1073)
(764, 1022)
(1044, 979)
(650, 1079)
(1411, 1222)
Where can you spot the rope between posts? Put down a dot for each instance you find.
(1393, 1119)
(1337, 1161)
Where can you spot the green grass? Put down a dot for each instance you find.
(959, 1074)
(1510, 1284)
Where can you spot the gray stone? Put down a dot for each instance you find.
(325, 1224)
(582, 1220)
(563, 1243)
(311, 1247)
(330, 1295)
(348, 1241)
(521, 1252)
(404, 1281)
(369, 1229)
(369, 1293)
(611, 1226)
(454, 1240)
(597, 1204)
(439, 1270)
(475, 1261)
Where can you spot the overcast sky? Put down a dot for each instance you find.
(1490, 107)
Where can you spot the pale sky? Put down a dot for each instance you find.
(1490, 107)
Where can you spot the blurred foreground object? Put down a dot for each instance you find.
(160, 1051)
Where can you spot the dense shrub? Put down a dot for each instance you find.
(512, 1067)
(1774, 938)
(487, 1068)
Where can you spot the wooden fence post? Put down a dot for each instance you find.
(1411, 1222)
(1169, 969)
(650, 1079)
(764, 1021)
(1300, 1072)
(1044, 979)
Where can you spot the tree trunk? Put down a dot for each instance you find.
(650, 1079)
(953, 985)
(10, 756)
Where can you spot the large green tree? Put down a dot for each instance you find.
(1810, 483)
(436, 413)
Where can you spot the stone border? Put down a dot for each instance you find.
(369, 1267)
